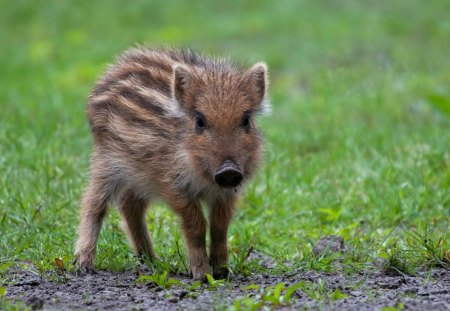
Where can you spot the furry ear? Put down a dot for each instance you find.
(181, 82)
(259, 80)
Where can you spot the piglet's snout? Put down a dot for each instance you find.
(228, 175)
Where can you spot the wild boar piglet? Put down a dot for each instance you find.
(177, 126)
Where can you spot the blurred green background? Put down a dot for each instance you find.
(358, 142)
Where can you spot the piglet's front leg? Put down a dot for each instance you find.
(193, 224)
(220, 217)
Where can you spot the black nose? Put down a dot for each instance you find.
(228, 175)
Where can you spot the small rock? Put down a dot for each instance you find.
(263, 260)
(356, 293)
(329, 244)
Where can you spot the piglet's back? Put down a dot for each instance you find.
(135, 94)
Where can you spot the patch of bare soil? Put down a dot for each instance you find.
(120, 291)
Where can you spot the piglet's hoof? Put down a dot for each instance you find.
(222, 273)
(84, 267)
(199, 273)
(81, 271)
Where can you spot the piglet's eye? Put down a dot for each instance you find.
(200, 123)
(246, 122)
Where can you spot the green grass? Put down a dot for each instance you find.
(357, 145)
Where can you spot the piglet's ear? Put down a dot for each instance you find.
(259, 84)
(181, 81)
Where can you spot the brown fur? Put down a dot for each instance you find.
(149, 143)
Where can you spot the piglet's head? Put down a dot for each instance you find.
(218, 106)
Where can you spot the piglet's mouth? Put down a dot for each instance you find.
(228, 175)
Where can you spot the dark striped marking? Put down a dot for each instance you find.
(128, 115)
(146, 60)
(142, 101)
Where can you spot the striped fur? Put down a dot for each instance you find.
(144, 114)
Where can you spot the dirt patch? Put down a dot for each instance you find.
(106, 290)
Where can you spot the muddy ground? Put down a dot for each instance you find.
(120, 291)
